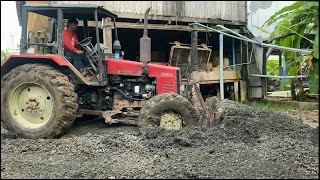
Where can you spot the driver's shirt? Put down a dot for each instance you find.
(70, 40)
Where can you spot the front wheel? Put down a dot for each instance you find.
(169, 111)
(37, 101)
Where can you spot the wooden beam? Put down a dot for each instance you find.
(216, 81)
(126, 25)
(215, 75)
(90, 23)
(179, 19)
(157, 27)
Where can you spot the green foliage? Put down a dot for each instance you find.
(300, 17)
(269, 105)
(283, 12)
(292, 71)
(285, 84)
(316, 44)
(262, 29)
(4, 55)
(272, 68)
(314, 77)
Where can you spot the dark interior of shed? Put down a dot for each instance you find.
(161, 46)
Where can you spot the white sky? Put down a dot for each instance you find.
(9, 25)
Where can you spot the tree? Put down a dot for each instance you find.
(293, 22)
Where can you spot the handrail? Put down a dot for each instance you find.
(281, 77)
(302, 51)
(227, 29)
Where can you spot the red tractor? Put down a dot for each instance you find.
(42, 94)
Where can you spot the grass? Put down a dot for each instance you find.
(275, 106)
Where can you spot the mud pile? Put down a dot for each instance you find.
(248, 143)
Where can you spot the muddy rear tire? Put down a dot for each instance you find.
(155, 108)
(37, 101)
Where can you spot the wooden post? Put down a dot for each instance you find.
(236, 91)
(280, 64)
(194, 50)
(244, 90)
(107, 35)
(264, 72)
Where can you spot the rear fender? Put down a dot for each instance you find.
(58, 62)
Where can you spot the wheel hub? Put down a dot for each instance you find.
(171, 121)
(31, 105)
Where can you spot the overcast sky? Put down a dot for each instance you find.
(9, 25)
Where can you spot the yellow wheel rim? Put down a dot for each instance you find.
(171, 121)
(31, 105)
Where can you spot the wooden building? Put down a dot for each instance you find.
(169, 22)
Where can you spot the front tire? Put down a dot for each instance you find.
(37, 101)
(169, 111)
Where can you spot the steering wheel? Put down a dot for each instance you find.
(86, 41)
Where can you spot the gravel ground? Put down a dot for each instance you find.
(248, 143)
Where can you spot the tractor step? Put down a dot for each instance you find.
(129, 117)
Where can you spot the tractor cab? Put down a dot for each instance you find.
(43, 26)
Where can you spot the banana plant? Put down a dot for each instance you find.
(292, 23)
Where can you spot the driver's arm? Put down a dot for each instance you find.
(77, 45)
(77, 42)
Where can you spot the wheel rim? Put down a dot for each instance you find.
(171, 121)
(31, 105)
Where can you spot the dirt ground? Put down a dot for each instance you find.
(248, 143)
(310, 118)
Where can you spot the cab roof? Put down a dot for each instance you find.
(79, 11)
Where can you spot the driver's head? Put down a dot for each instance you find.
(72, 24)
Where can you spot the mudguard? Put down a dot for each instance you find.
(14, 61)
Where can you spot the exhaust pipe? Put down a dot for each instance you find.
(116, 44)
(145, 41)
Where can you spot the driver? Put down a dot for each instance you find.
(72, 46)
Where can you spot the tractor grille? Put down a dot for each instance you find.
(167, 87)
(180, 57)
